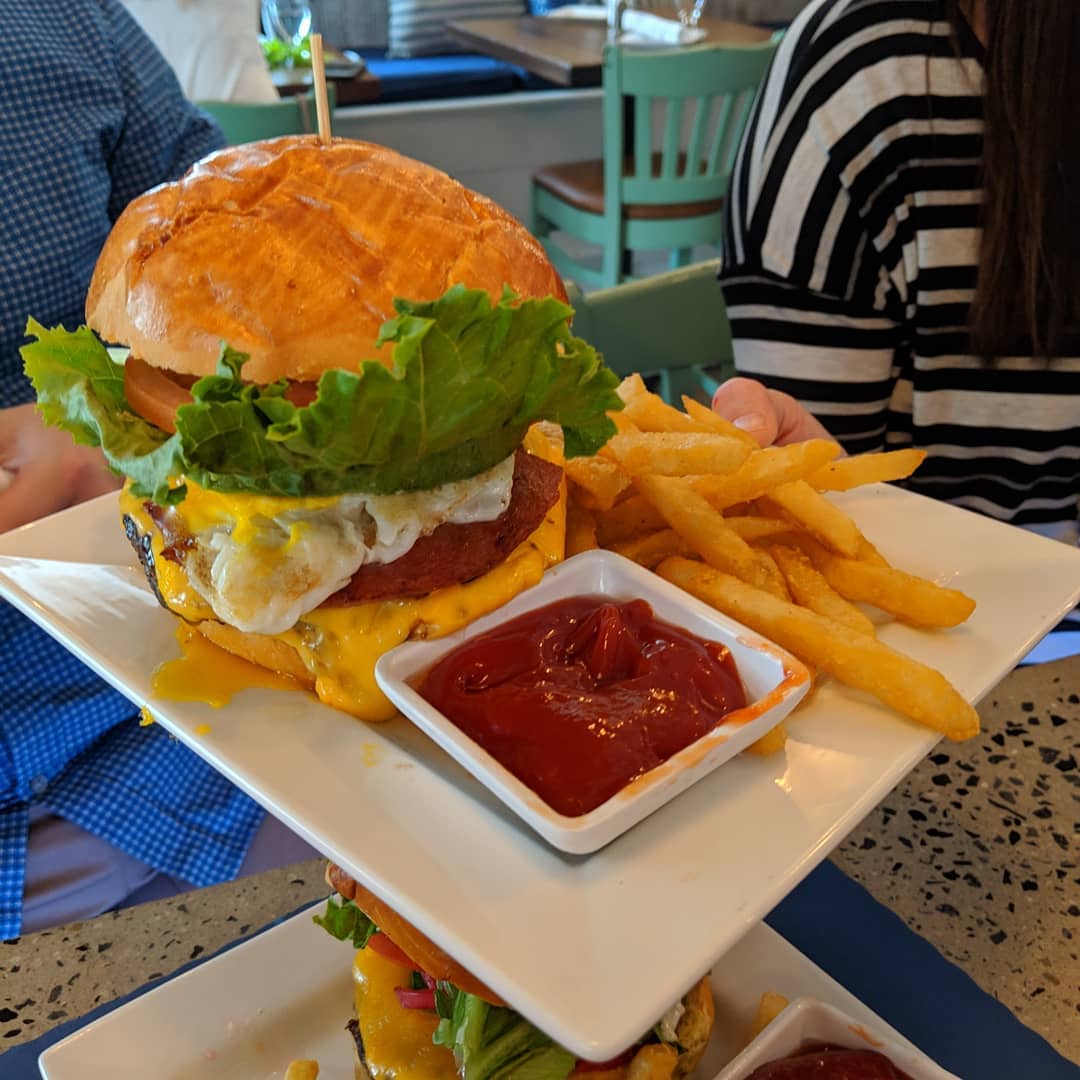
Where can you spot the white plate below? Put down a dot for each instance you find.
(287, 994)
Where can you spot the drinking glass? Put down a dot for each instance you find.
(690, 11)
(287, 20)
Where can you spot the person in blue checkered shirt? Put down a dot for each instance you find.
(94, 809)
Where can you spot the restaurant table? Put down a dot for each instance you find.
(952, 910)
(359, 89)
(569, 52)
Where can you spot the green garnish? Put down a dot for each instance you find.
(345, 921)
(280, 53)
(490, 1042)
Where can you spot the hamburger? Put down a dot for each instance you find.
(420, 1014)
(338, 417)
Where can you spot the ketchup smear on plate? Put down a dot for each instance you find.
(580, 697)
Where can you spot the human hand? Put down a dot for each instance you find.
(42, 470)
(773, 418)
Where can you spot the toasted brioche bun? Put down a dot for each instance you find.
(423, 952)
(268, 652)
(292, 252)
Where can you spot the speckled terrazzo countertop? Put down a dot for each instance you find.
(976, 850)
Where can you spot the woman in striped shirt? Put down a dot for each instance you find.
(902, 260)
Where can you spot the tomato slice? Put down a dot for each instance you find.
(415, 999)
(381, 944)
(152, 394)
(302, 393)
(156, 394)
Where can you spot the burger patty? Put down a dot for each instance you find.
(451, 554)
(455, 553)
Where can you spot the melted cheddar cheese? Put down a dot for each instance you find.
(341, 645)
(218, 675)
(397, 1041)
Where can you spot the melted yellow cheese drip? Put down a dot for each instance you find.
(203, 672)
(204, 509)
(340, 646)
(397, 1041)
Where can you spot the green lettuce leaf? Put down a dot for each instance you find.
(467, 379)
(346, 922)
(81, 389)
(490, 1042)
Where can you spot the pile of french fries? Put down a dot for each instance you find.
(748, 530)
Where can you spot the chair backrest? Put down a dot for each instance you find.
(672, 327)
(705, 94)
(244, 123)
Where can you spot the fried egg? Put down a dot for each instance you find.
(261, 562)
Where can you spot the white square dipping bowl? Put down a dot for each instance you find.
(775, 682)
(808, 1021)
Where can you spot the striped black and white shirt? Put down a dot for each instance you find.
(850, 262)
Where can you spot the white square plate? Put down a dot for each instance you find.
(775, 682)
(545, 930)
(287, 994)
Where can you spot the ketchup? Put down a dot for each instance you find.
(830, 1063)
(578, 698)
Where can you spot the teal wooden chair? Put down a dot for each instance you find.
(244, 123)
(650, 193)
(671, 327)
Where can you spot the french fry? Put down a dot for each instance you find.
(772, 742)
(653, 548)
(715, 422)
(670, 453)
(752, 528)
(580, 528)
(847, 473)
(651, 413)
(774, 580)
(763, 470)
(810, 589)
(302, 1070)
(702, 527)
(818, 516)
(769, 1008)
(624, 425)
(631, 387)
(856, 659)
(631, 517)
(909, 598)
(870, 554)
(599, 482)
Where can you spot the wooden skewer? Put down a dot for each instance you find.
(322, 102)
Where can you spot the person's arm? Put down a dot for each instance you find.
(809, 277)
(163, 132)
(42, 470)
(158, 137)
(811, 371)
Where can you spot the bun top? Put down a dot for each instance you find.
(292, 252)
